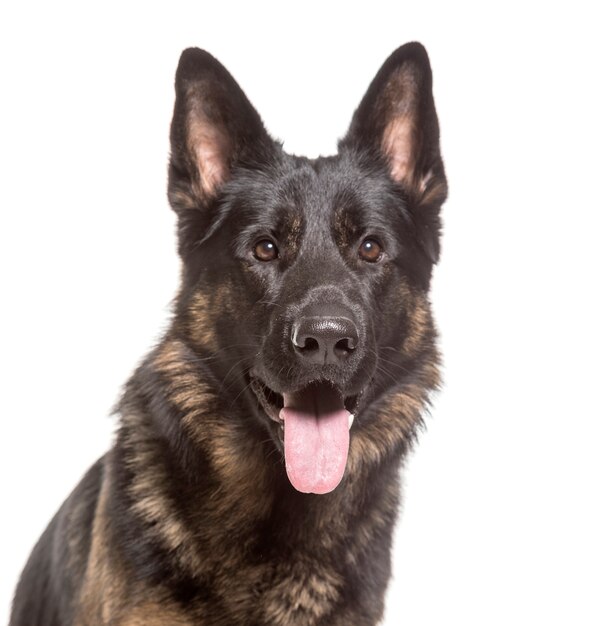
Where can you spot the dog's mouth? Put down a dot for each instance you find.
(315, 423)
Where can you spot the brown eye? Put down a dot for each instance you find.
(266, 250)
(370, 250)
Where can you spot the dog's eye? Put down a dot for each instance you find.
(370, 250)
(266, 250)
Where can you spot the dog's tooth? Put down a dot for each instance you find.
(351, 420)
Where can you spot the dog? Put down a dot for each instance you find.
(254, 478)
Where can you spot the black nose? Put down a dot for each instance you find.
(324, 339)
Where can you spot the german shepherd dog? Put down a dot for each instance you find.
(254, 476)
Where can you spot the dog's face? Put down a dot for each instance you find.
(304, 280)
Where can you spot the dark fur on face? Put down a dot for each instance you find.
(301, 279)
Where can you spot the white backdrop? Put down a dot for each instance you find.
(498, 520)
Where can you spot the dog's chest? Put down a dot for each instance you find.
(296, 593)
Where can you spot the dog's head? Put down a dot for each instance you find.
(304, 281)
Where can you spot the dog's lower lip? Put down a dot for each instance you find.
(270, 401)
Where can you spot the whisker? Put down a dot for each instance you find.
(241, 392)
(213, 356)
(238, 362)
(268, 302)
(394, 363)
(388, 373)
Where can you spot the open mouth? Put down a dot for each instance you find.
(273, 402)
(315, 421)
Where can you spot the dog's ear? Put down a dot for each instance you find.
(397, 122)
(214, 128)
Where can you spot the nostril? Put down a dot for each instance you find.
(310, 345)
(345, 346)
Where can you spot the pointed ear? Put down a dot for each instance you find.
(397, 121)
(213, 129)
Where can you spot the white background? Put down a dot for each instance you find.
(499, 513)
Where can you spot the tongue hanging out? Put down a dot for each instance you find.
(316, 438)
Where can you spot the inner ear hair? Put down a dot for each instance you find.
(397, 146)
(209, 147)
(401, 136)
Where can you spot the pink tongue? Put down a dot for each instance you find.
(316, 439)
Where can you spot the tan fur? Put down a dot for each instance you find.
(109, 596)
(202, 320)
(344, 229)
(302, 589)
(199, 405)
(240, 470)
(104, 583)
(431, 191)
(152, 503)
(156, 614)
(204, 310)
(419, 318)
(396, 421)
(293, 237)
(180, 199)
(380, 517)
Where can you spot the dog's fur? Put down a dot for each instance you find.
(191, 518)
